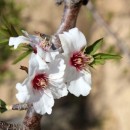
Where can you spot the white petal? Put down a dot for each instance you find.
(53, 54)
(58, 90)
(18, 40)
(66, 43)
(21, 88)
(26, 92)
(78, 39)
(56, 69)
(71, 73)
(56, 78)
(48, 56)
(42, 64)
(72, 41)
(45, 104)
(81, 86)
(36, 62)
(22, 95)
(32, 64)
(34, 39)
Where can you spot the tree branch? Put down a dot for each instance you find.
(69, 18)
(8, 126)
(32, 119)
(71, 10)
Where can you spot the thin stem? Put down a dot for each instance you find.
(22, 106)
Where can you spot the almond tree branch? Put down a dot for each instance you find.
(32, 120)
(8, 126)
(120, 43)
(69, 18)
(11, 126)
(71, 10)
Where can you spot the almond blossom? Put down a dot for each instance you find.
(43, 85)
(78, 76)
(41, 46)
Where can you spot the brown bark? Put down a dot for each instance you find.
(69, 18)
(32, 120)
(7, 126)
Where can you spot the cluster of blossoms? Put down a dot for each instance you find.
(51, 74)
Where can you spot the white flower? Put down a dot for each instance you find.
(78, 77)
(40, 46)
(43, 86)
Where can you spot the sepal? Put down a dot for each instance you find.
(94, 47)
(2, 106)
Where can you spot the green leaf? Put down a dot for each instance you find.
(2, 106)
(8, 28)
(13, 30)
(106, 56)
(97, 62)
(4, 42)
(2, 103)
(94, 47)
(100, 58)
(22, 56)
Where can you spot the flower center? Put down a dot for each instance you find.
(35, 50)
(79, 60)
(40, 81)
(45, 44)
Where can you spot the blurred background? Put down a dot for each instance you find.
(108, 105)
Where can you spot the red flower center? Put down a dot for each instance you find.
(40, 81)
(35, 50)
(79, 60)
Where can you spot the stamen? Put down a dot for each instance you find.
(45, 44)
(79, 60)
(40, 81)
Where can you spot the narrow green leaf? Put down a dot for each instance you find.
(22, 56)
(2, 110)
(97, 62)
(106, 56)
(8, 28)
(100, 58)
(94, 47)
(2, 106)
(13, 30)
(3, 42)
(2, 103)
